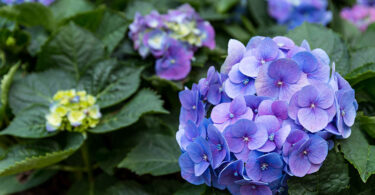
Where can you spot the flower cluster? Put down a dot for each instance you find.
(293, 13)
(72, 110)
(12, 2)
(273, 111)
(366, 2)
(361, 15)
(171, 38)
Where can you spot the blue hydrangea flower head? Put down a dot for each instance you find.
(272, 113)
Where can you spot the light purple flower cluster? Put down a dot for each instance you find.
(271, 113)
(13, 2)
(361, 15)
(293, 13)
(366, 2)
(172, 38)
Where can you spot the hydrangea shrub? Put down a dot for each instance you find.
(172, 38)
(293, 13)
(13, 2)
(271, 113)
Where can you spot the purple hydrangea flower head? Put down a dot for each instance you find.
(175, 64)
(280, 79)
(261, 134)
(313, 107)
(211, 87)
(276, 133)
(172, 39)
(192, 107)
(218, 145)
(243, 136)
(264, 167)
(308, 157)
(226, 114)
(360, 15)
(239, 84)
(293, 13)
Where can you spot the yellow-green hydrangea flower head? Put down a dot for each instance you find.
(72, 110)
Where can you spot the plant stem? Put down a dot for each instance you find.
(68, 168)
(86, 160)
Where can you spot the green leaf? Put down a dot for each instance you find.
(258, 9)
(155, 155)
(111, 82)
(367, 123)
(190, 189)
(237, 32)
(332, 178)
(38, 88)
(73, 49)
(366, 39)
(329, 41)
(12, 183)
(29, 14)
(126, 188)
(112, 29)
(66, 8)
(362, 64)
(38, 37)
(146, 101)
(30, 123)
(6, 83)
(224, 5)
(37, 154)
(359, 152)
(109, 26)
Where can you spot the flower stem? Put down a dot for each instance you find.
(86, 160)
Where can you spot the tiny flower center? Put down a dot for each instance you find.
(172, 61)
(263, 61)
(220, 89)
(312, 105)
(231, 115)
(253, 187)
(280, 44)
(194, 107)
(235, 174)
(305, 152)
(246, 81)
(271, 137)
(245, 139)
(343, 113)
(205, 157)
(264, 166)
(255, 110)
(279, 83)
(219, 147)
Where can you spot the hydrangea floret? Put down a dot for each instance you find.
(271, 113)
(72, 110)
(293, 13)
(13, 2)
(172, 39)
(360, 15)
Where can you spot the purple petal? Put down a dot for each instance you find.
(249, 66)
(288, 90)
(200, 168)
(234, 90)
(195, 152)
(265, 107)
(187, 99)
(326, 95)
(267, 49)
(220, 113)
(299, 164)
(264, 85)
(281, 135)
(269, 122)
(235, 75)
(235, 53)
(269, 146)
(258, 139)
(235, 144)
(255, 190)
(253, 167)
(280, 109)
(306, 61)
(284, 42)
(314, 168)
(307, 96)
(232, 172)
(318, 150)
(293, 107)
(243, 155)
(284, 70)
(313, 119)
(238, 106)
